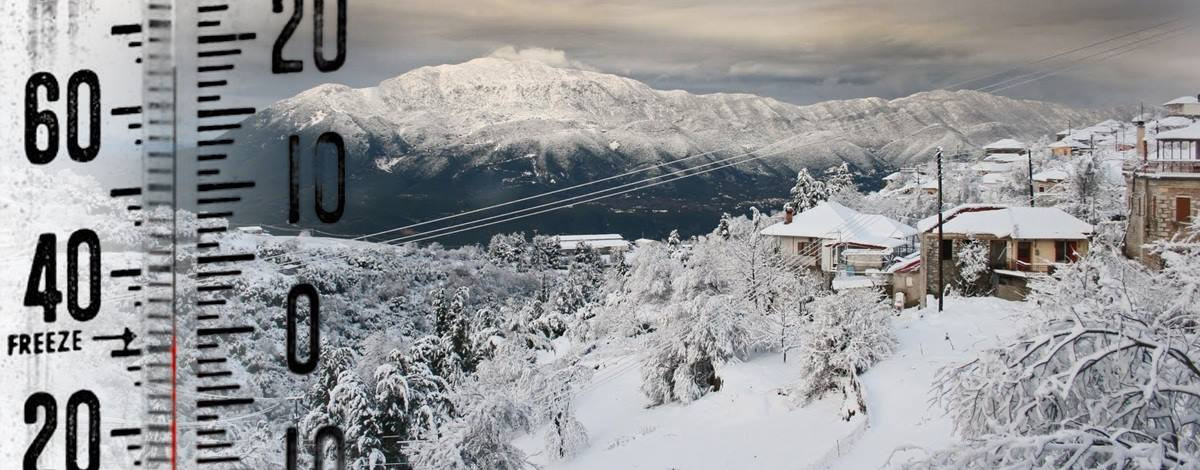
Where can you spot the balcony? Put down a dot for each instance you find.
(1183, 167)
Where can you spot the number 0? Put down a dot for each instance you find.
(314, 329)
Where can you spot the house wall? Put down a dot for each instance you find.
(1189, 109)
(1043, 186)
(910, 285)
(788, 246)
(1151, 202)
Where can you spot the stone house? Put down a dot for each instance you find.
(1022, 243)
(1162, 193)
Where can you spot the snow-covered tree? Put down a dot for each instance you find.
(1092, 191)
(1107, 376)
(565, 435)
(848, 332)
(839, 182)
(695, 337)
(972, 261)
(493, 406)
(543, 254)
(673, 240)
(748, 260)
(808, 191)
(509, 249)
(356, 417)
(412, 401)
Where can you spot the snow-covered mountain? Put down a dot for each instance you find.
(485, 113)
(492, 128)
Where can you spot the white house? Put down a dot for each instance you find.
(1184, 106)
(821, 237)
(604, 243)
(1004, 146)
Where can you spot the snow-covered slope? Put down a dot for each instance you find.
(751, 423)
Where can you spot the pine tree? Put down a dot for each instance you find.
(839, 178)
(544, 253)
(808, 191)
(673, 240)
(458, 334)
(412, 400)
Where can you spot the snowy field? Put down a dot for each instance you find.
(753, 423)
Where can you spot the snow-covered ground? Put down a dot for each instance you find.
(754, 423)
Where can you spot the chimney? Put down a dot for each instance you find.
(1141, 138)
(788, 212)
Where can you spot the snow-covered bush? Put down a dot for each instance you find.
(847, 332)
(972, 261)
(694, 338)
(1108, 376)
(509, 394)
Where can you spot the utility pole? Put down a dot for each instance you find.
(941, 273)
(1030, 153)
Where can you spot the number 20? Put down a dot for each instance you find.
(281, 65)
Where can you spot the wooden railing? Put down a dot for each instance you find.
(1164, 166)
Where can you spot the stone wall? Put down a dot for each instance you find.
(1151, 199)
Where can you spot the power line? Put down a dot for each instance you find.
(1064, 53)
(641, 170)
(476, 223)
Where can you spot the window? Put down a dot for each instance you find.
(1062, 251)
(1183, 209)
(1041, 189)
(946, 250)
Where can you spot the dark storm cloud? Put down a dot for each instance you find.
(795, 50)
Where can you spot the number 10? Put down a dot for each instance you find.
(326, 216)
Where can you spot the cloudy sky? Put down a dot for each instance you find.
(800, 51)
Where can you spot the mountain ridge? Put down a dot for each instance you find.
(491, 129)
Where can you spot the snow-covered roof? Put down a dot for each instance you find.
(892, 177)
(855, 282)
(1004, 158)
(1189, 99)
(596, 244)
(1050, 175)
(1067, 144)
(924, 225)
(832, 221)
(992, 167)
(579, 238)
(995, 178)
(1171, 121)
(1005, 144)
(929, 184)
(1191, 132)
(906, 264)
(1022, 223)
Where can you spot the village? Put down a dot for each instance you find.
(1019, 211)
